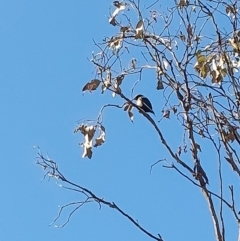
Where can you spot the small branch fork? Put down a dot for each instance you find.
(52, 171)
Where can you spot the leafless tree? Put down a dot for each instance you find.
(193, 47)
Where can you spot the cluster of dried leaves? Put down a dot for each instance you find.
(89, 132)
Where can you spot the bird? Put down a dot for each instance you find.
(144, 103)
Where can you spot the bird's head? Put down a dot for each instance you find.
(137, 97)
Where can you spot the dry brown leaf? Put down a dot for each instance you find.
(198, 147)
(119, 7)
(87, 150)
(190, 30)
(133, 63)
(101, 139)
(113, 21)
(130, 114)
(106, 84)
(182, 37)
(119, 79)
(115, 43)
(160, 84)
(228, 136)
(154, 15)
(116, 90)
(88, 132)
(201, 133)
(179, 151)
(183, 3)
(92, 85)
(124, 29)
(231, 136)
(174, 108)
(128, 107)
(166, 113)
(139, 29)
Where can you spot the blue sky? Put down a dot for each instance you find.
(44, 46)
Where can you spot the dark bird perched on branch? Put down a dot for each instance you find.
(144, 103)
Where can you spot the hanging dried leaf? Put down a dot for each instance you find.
(84, 129)
(88, 132)
(133, 63)
(190, 30)
(165, 64)
(101, 139)
(139, 29)
(202, 65)
(198, 147)
(116, 4)
(179, 151)
(106, 84)
(92, 85)
(124, 29)
(174, 109)
(120, 78)
(160, 84)
(130, 114)
(128, 107)
(201, 59)
(230, 10)
(154, 15)
(113, 21)
(204, 70)
(166, 113)
(159, 71)
(182, 36)
(119, 7)
(229, 136)
(183, 3)
(87, 150)
(216, 77)
(115, 43)
(235, 44)
(118, 82)
(116, 90)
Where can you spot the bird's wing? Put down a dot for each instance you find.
(147, 104)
